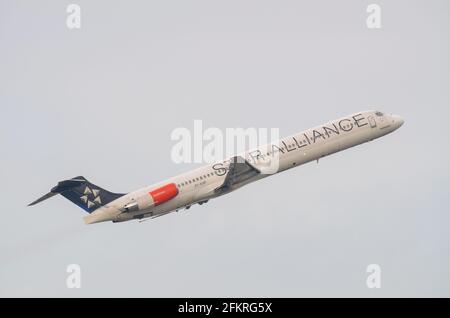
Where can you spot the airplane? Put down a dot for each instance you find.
(200, 185)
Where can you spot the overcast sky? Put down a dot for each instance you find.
(103, 100)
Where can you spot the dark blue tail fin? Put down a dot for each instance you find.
(86, 195)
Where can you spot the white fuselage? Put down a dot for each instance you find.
(198, 186)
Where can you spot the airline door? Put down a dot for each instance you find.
(372, 122)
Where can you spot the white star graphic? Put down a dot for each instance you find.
(89, 194)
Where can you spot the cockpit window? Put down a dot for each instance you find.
(379, 114)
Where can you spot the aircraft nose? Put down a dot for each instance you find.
(398, 121)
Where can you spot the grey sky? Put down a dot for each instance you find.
(102, 101)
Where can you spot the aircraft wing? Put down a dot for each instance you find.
(240, 170)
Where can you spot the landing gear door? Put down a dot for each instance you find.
(372, 122)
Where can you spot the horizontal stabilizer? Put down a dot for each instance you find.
(44, 197)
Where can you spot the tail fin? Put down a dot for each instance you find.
(86, 195)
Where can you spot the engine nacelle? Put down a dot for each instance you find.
(154, 198)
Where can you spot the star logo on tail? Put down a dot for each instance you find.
(91, 197)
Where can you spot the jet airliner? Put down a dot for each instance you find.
(210, 181)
